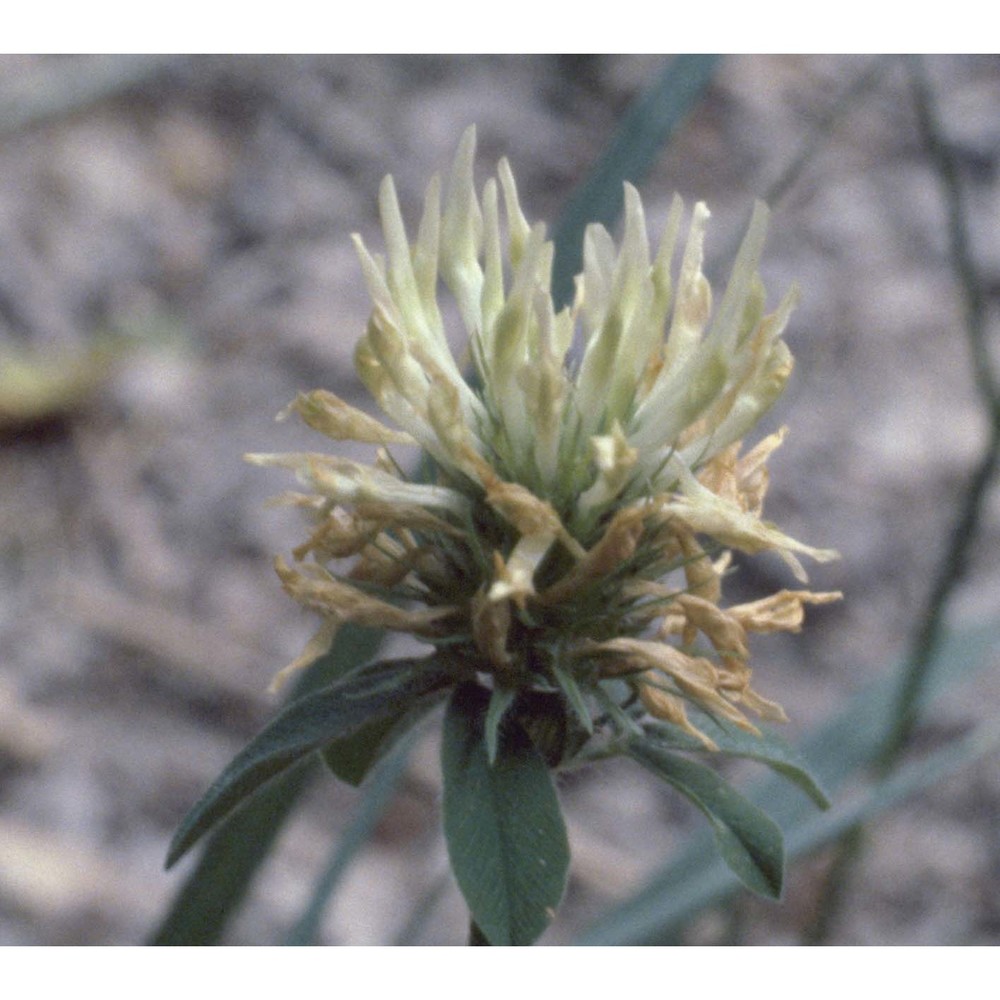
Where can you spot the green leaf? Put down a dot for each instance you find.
(624, 723)
(504, 828)
(216, 886)
(305, 726)
(574, 697)
(644, 130)
(352, 757)
(749, 841)
(767, 748)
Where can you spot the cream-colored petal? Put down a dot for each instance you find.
(703, 512)
(462, 235)
(614, 459)
(344, 481)
(515, 577)
(330, 415)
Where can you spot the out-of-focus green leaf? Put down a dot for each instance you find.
(303, 727)
(504, 828)
(378, 790)
(38, 387)
(748, 840)
(644, 130)
(843, 748)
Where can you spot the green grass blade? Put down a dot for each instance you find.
(843, 748)
(237, 848)
(422, 912)
(646, 127)
(379, 788)
(908, 781)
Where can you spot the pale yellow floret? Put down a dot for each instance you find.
(514, 577)
(614, 459)
(344, 481)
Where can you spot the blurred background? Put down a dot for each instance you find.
(176, 263)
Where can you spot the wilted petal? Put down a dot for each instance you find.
(616, 546)
(721, 628)
(490, 628)
(338, 536)
(702, 511)
(781, 612)
(695, 677)
(317, 589)
(330, 415)
(316, 647)
(670, 708)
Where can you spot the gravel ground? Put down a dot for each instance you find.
(174, 237)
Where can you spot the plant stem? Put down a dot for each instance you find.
(952, 566)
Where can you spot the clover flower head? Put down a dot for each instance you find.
(584, 475)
